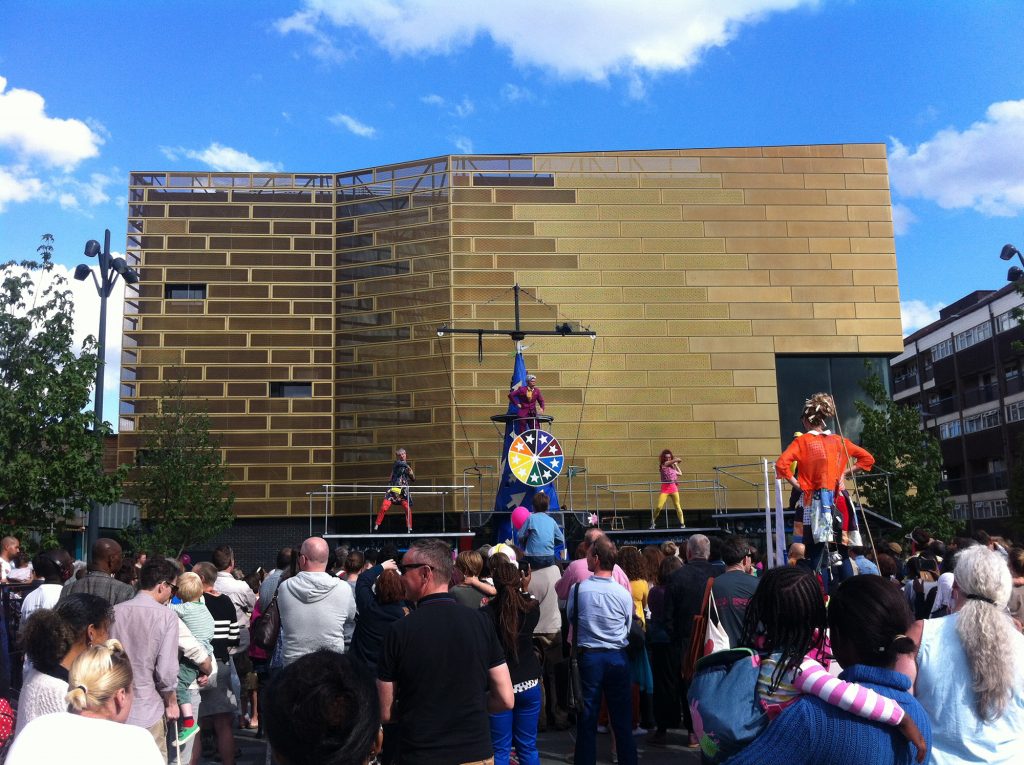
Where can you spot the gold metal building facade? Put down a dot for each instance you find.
(302, 309)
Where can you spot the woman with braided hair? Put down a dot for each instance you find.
(824, 462)
(92, 730)
(786, 623)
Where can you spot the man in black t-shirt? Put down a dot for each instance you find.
(441, 669)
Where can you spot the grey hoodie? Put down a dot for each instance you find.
(317, 611)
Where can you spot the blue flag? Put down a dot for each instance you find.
(511, 492)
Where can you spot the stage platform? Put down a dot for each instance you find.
(675, 532)
(407, 535)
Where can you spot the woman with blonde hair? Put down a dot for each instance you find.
(970, 667)
(91, 732)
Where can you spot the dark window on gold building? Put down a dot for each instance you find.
(291, 390)
(185, 291)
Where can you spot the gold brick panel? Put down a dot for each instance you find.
(696, 267)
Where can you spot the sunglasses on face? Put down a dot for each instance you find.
(404, 567)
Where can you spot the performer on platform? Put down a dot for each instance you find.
(529, 402)
(402, 477)
(669, 475)
(824, 460)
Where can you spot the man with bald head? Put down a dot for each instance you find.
(317, 610)
(104, 563)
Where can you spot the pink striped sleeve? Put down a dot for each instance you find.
(814, 680)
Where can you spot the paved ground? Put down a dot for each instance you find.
(553, 745)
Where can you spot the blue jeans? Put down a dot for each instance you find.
(607, 672)
(519, 724)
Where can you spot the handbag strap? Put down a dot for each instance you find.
(707, 594)
(575, 621)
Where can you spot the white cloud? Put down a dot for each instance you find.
(17, 184)
(981, 167)
(352, 125)
(26, 130)
(514, 93)
(583, 39)
(463, 144)
(902, 219)
(917, 314)
(222, 158)
(34, 146)
(464, 108)
(432, 99)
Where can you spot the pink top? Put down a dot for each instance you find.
(669, 474)
(813, 679)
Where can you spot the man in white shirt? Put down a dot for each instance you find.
(9, 549)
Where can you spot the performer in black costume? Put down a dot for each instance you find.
(402, 476)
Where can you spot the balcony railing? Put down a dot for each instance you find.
(981, 395)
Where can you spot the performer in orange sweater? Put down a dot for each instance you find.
(824, 460)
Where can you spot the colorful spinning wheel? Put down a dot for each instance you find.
(535, 458)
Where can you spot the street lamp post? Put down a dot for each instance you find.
(1007, 253)
(110, 269)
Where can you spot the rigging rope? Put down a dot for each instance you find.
(458, 411)
(853, 477)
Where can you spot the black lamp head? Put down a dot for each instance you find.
(92, 248)
(130, 276)
(82, 272)
(1008, 252)
(120, 265)
(1014, 274)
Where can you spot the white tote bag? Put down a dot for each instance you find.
(715, 638)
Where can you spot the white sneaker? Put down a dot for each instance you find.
(602, 728)
(638, 731)
(652, 525)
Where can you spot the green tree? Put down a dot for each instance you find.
(51, 454)
(892, 433)
(181, 484)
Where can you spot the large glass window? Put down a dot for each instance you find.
(797, 377)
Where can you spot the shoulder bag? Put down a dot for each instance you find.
(267, 628)
(700, 627)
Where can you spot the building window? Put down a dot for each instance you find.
(1015, 411)
(291, 390)
(973, 336)
(942, 350)
(1000, 508)
(959, 511)
(949, 429)
(796, 376)
(1007, 320)
(185, 292)
(982, 421)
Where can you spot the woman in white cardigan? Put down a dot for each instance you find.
(53, 639)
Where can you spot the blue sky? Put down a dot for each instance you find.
(90, 91)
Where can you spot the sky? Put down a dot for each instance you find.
(91, 91)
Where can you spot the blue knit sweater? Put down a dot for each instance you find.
(813, 732)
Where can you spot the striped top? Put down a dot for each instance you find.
(814, 680)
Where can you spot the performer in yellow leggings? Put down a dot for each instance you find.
(669, 476)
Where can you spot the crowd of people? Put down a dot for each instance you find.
(427, 657)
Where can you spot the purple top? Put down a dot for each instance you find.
(149, 633)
